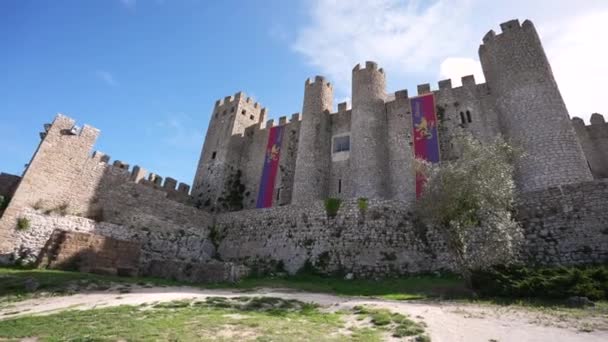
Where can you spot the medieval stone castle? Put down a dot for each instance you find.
(73, 208)
(366, 151)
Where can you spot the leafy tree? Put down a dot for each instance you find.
(469, 200)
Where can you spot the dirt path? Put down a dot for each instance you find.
(446, 321)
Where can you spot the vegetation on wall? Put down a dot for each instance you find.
(332, 206)
(362, 204)
(23, 223)
(469, 200)
(233, 195)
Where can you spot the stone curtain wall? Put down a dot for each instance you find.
(566, 225)
(377, 241)
(8, 184)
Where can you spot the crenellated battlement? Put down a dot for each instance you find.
(508, 28)
(369, 66)
(318, 80)
(597, 119)
(139, 175)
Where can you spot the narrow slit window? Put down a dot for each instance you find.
(213, 154)
(278, 194)
(339, 186)
(462, 121)
(469, 117)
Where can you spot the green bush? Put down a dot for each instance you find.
(548, 283)
(332, 205)
(362, 204)
(23, 223)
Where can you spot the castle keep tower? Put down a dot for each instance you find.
(368, 156)
(531, 110)
(222, 149)
(314, 146)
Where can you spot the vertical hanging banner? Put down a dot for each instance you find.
(271, 167)
(426, 141)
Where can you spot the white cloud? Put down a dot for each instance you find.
(578, 59)
(423, 41)
(455, 68)
(401, 37)
(106, 77)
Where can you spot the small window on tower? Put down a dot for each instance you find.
(243, 112)
(224, 113)
(251, 117)
(231, 109)
(213, 154)
(342, 144)
(278, 194)
(339, 186)
(462, 120)
(469, 117)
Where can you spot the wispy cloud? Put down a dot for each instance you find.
(178, 131)
(130, 4)
(106, 77)
(439, 39)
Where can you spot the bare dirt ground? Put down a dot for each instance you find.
(446, 321)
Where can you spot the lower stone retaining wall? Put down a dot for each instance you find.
(90, 253)
(380, 240)
(566, 225)
(186, 244)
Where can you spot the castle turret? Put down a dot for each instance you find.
(368, 155)
(532, 113)
(314, 145)
(221, 152)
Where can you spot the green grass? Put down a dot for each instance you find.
(407, 288)
(259, 319)
(414, 287)
(397, 324)
(54, 282)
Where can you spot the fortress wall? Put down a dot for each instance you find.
(566, 225)
(63, 177)
(380, 241)
(287, 163)
(472, 100)
(8, 184)
(252, 162)
(562, 226)
(340, 185)
(594, 141)
(400, 148)
(159, 240)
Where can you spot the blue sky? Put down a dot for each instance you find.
(147, 73)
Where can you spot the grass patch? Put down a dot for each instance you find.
(269, 319)
(397, 324)
(53, 282)
(332, 205)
